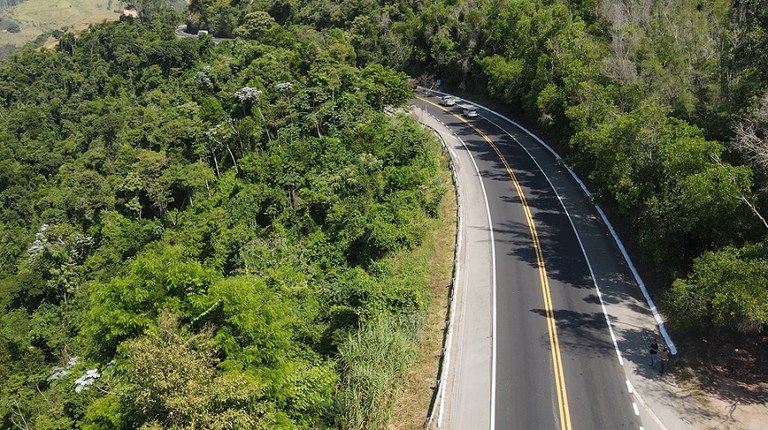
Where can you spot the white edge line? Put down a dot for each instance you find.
(583, 251)
(455, 281)
(493, 288)
(578, 238)
(619, 243)
(645, 407)
(650, 411)
(442, 382)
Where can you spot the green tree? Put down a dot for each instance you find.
(727, 289)
(255, 25)
(175, 385)
(126, 306)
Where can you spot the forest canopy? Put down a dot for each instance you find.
(222, 219)
(661, 105)
(193, 233)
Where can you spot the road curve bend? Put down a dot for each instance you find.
(550, 328)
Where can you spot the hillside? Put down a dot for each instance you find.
(663, 106)
(203, 235)
(36, 17)
(207, 232)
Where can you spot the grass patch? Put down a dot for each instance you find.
(435, 254)
(374, 360)
(391, 364)
(36, 17)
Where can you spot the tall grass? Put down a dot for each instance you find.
(374, 359)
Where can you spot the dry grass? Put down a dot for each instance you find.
(412, 402)
(38, 16)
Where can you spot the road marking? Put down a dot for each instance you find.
(443, 380)
(578, 238)
(630, 388)
(557, 364)
(493, 287)
(650, 411)
(493, 284)
(619, 243)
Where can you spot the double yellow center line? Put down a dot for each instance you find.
(557, 362)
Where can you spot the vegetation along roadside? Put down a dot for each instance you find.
(208, 235)
(156, 191)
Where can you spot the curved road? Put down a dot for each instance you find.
(181, 32)
(553, 362)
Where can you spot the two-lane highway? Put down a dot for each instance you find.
(554, 362)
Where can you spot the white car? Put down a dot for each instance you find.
(469, 111)
(448, 101)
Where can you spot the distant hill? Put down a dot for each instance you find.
(22, 21)
(5, 4)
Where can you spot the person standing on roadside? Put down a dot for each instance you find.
(654, 351)
(664, 360)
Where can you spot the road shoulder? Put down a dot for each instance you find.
(465, 399)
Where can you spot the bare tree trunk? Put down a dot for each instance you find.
(751, 136)
(216, 163)
(754, 210)
(744, 198)
(292, 199)
(233, 158)
(263, 120)
(239, 138)
(17, 411)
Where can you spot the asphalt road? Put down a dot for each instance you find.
(555, 363)
(181, 32)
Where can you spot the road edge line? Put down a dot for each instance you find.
(619, 243)
(578, 238)
(448, 338)
(449, 333)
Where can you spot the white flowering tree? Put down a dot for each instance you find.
(251, 96)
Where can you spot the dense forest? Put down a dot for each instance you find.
(204, 236)
(662, 105)
(156, 191)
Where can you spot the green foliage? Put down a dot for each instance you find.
(384, 86)
(255, 25)
(373, 360)
(174, 384)
(684, 199)
(156, 280)
(255, 321)
(177, 216)
(255, 190)
(726, 289)
(637, 89)
(503, 75)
